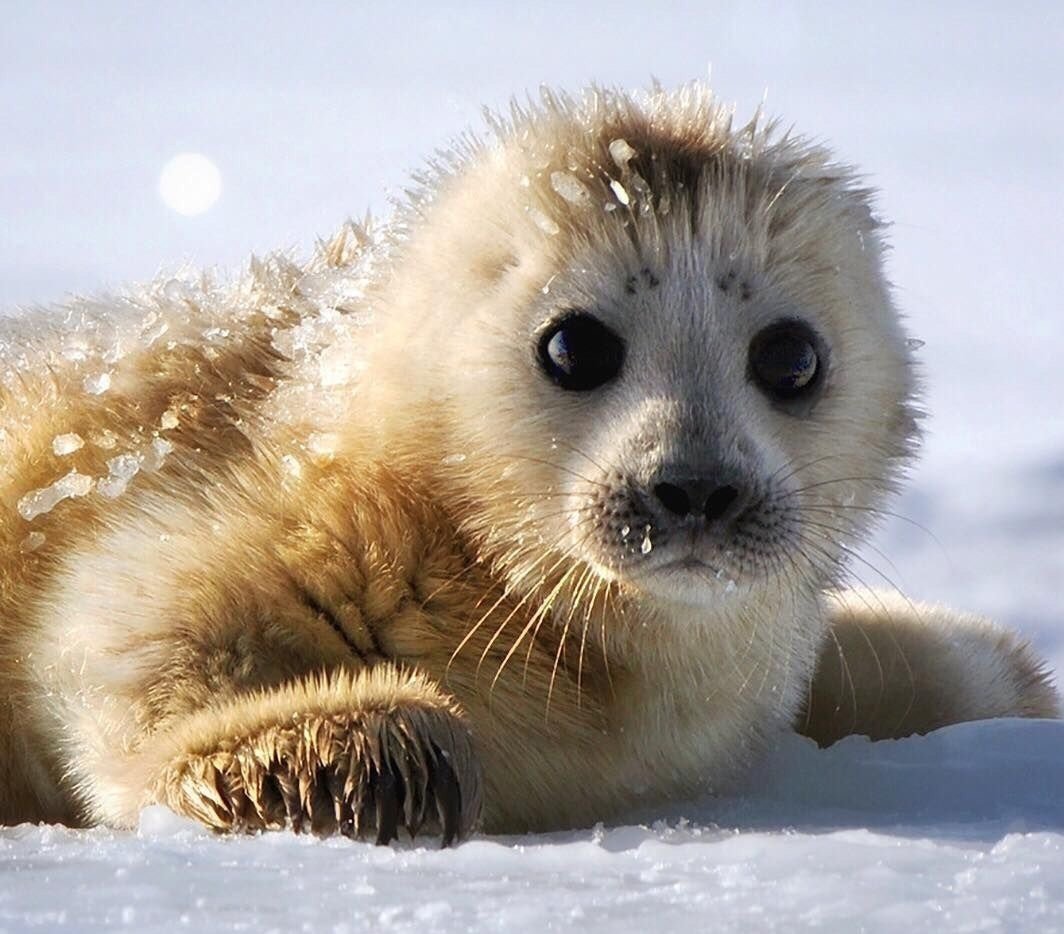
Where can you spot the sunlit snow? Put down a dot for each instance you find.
(958, 831)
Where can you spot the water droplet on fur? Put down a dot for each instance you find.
(620, 191)
(323, 444)
(647, 544)
(150, 334)
(120, 470)
(97, 385)
(62, 445)
(730, 586)
(114, 353)
(626, 530)
(175, 291)
(156, 454)
(32, 542)
(291, 466)
(169, 420)
(38, 502)
(75, 353)
(570, 188)
(543, 222)
(453, 459)
(621, 153)
(104, 439)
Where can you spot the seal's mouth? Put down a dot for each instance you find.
(686, 577)
(688, 565)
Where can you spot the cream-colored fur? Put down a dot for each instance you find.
(329, 550)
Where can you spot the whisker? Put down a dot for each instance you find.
(583, 454)
(879, 511)
(544, 607)
(884, 614)
(562, 467)
(774, 476)
(823, 483)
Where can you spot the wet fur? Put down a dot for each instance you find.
(369, 577)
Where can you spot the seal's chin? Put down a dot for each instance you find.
(684, 575)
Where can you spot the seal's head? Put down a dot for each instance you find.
(666, 345)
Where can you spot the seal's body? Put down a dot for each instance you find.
(529, 509)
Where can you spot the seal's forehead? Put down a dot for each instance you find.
(660, 181)
(668, 186)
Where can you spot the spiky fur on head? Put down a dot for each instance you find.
(686, 234)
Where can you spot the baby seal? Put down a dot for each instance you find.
(524, 511)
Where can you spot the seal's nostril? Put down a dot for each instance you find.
(673, 498)
(718, 501)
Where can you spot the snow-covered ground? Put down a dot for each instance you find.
(312, 112)
(958, 831)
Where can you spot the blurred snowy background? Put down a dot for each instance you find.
(311, 112)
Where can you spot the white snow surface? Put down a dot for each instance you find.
(311, 113)
(959, 830)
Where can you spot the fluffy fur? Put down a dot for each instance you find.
(323, 547)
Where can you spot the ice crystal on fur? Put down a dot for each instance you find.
(570, 188)
(62, 445)
(169, 420)
(620, 191)
(32, 542)
(97, 384)
(155, 454)
(543, 222)
(121, 470)
(38, 502)
(621, 153)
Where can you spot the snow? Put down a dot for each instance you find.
(120, 470)
(570, 188)
(621, 153)
(543, 222)
(38, 502)
(98, 383)
(955, 112)
(619, 190)
(959, 830)
(62, 445)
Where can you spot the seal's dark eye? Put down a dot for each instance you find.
(784, 361)
(580, 353)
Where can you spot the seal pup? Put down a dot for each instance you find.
(522, 512)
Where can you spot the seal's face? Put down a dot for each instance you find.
(691, 406)
(697, 495)
(690, 376)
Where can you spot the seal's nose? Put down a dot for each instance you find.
(709, 498)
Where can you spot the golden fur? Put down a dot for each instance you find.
(322, 547)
